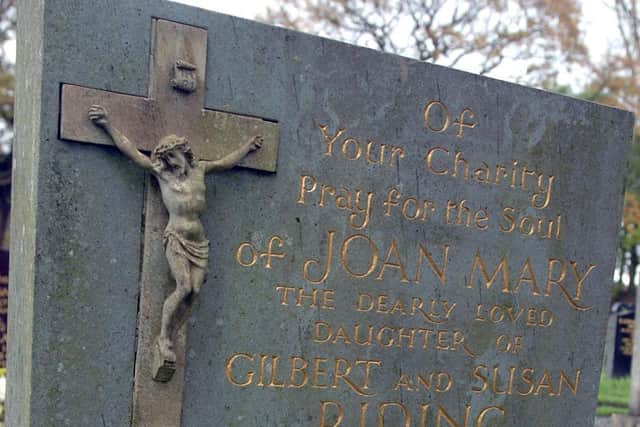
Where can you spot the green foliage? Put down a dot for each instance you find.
(613, 396)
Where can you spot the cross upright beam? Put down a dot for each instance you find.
(174, 105)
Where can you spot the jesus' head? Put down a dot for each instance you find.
(173, 153)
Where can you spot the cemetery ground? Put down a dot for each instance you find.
(613, 397)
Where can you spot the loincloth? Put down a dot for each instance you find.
(197, 252)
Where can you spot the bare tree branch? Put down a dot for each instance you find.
(447, 31)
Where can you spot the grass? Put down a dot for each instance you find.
(613, 397)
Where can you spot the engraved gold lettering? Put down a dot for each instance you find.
(527, 225)
(392, 196)
(284, 292)
(381, 152)
(458, 159)
(482, 174)
(270, 253)
(324, 190)
(319, 328)
(364, 406)
(480, 219)
(442, 341)
(343, 374)
(408, 336)
(514, 169)
(542, 193)
(297, 370)
(319, 372)
(525, 382)
(368, 364)
(381, 332)
(424, 410)
(360, 209)
(253, 254)
(505, 344)
(248, 379)
(356, 332)
(263, 364)
(308, 184)
(462, 124)
(440, 272)
(478, 263)
(373, 255)
(459, 213)
(580, 278)
(557, 282)
(443, 382)
(494, 385)
(525, 377)
(328, 299)
(511, 222)
(397, 153)
(523, 177)
(330, 139)
(412, 209)
(354, 152)
(324, 408)
(396, 263)
(382, 407)
(365, 302)
(441, 161)
(458, 341)
(410, 205)
(274, 373)
(312, 297)
(485, 411)
(427, 116)
(527, 276)
(429, 160)
(545, 384)
(403, 383)
(341, 334)
(573, 387)
(443, 414)
(327, 264)
(477, 375)
(501, 172)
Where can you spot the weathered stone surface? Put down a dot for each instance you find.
(618, 420)
(75, 268)
(155, 403)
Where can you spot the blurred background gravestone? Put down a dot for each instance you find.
(619, 341)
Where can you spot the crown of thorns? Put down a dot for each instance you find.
(170, 143)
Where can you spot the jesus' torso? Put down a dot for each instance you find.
(184, 197)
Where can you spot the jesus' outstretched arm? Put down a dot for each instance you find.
(100, 117)
(233, 158)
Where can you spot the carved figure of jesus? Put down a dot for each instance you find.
(181, 179)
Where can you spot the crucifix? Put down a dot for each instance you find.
(185, 141)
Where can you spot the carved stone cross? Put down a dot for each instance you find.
(175, 106)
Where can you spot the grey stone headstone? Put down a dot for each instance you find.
(77, 237)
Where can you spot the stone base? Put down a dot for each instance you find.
(618, 420)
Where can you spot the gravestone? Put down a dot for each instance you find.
(618, 349)
(411, 245)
